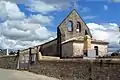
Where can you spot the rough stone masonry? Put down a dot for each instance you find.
(70, 69)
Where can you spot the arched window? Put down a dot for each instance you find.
(70, 26)
(86, 33)
(78, 29)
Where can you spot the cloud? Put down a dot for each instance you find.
(39, 18)
(89, 17)
(108, 32)
(85, 9)
(7, 10)
(18, 1)
(45, 6)
(116, 1)
(23, 31)
(59, 3)
(39, 6)
(18, 31)
(105, 7)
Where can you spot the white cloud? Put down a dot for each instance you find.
(39, 6)
(105, 7)
(89, 17)
(61, 4)
(117, 1)
(15, 38)
(10, 11)
(45, 6)
(85, 9)
(108, 32)
(15, 33)
(39, 19)
(18, 1)
(18, 31)
(19, 24)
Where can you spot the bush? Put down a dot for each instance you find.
(115, 54)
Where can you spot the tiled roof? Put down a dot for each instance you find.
(81, 39)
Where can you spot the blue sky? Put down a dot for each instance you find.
(100, 12)
(24, 24)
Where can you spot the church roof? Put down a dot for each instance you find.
(81, 39)
(41, 45)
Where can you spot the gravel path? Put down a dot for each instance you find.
(21, 75)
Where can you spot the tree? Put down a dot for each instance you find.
(12, 53)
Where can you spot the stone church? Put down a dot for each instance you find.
(73, 40)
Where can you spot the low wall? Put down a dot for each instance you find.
(70, 69)
(78, 69)
(8, 62)
(106, 69)
(49, 58)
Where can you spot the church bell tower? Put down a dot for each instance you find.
(72, 26)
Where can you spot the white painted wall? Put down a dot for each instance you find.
(103, 49)
(77, 49)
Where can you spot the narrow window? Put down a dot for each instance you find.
(78, 27)
(96, 50)
(86, 33)
(33, 58)
(85, 53)
(70, 26)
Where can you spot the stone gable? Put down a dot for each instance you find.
(78, 27)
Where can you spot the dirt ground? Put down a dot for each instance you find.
(21, 75)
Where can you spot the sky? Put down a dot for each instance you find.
(25, 23)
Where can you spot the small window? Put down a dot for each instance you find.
(78, 29)
(70, 26)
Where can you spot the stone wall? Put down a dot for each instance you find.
(79, 69)
(50, 49)
(67, 49)
(8, 62)
(78, 48)
(71, 69)
(73, 18)
(105, 70)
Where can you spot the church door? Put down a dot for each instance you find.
(96, 50)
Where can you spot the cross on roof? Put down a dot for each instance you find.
(74, 4)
